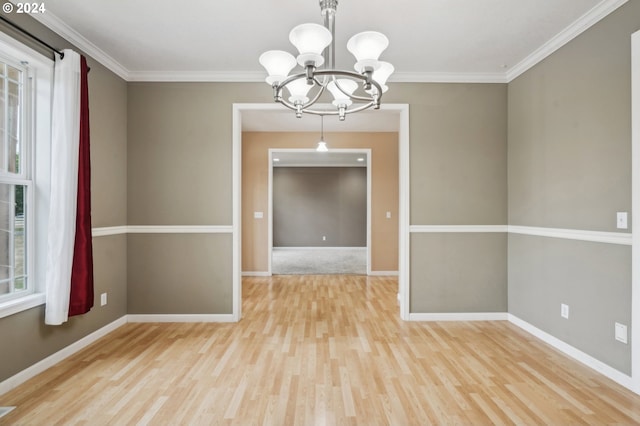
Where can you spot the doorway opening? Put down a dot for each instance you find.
(635, 209)
(319, 212)
(270, 115)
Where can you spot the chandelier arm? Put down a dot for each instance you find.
(373, 101)
(322, 85)
(290, 79)
(372, 98)
(343, 73)
(317, 96)
(288, 104)
(294, 107)
(347, 111)
(310, 111)
(351, 74)
(327, 112)
(329, 73)
(349, 95)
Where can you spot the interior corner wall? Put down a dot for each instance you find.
(570, 168)
(384, 191)
(32, 340)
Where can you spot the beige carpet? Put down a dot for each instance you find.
(319, 260)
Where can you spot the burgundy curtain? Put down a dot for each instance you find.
(81, 300)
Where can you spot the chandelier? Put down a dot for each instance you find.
(352, 91)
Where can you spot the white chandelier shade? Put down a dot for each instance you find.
(352, 91)
(367, 47)
(342, 89)
(278, 64)
(310, 40)
(298, 90)
(382, 74)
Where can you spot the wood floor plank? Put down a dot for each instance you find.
(317, 350)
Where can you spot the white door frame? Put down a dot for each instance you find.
(635, 211)
(403, 259)
(364, 151)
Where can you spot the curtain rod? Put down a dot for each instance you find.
(27, 33)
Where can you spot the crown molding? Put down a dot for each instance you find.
(447, 77)
(55, 24)
(258, 77)
(198, 76)
(586, 21)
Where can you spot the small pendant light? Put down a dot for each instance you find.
(322, 146)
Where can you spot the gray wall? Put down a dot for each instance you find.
(314, 202)
(30, 339)
(570, 167)
(180, 274)
(179, 173)
(458, 272)
(458, 176)
(592, 278)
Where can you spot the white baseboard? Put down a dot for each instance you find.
(180, 318)
(255, 274)
(460, 316)
(383, 273)
(575, 353)
(62, 354)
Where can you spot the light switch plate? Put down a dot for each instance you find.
(564, 310)
(621, 333)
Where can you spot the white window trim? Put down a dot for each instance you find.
(39, 148)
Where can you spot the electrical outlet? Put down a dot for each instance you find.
(324, 238)
(621, 332)
(564, 311)
(103, 299)
(621, 220)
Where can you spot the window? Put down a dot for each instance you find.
(15, 182)
(25, 98)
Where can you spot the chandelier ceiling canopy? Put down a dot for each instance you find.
(352, 91)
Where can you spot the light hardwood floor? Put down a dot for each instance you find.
(320, 350)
